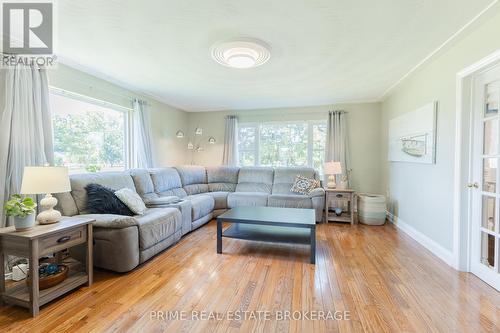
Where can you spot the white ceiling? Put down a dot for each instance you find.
(323, 51)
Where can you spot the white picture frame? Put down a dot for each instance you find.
(412, 136)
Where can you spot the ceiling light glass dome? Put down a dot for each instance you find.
(241, 53)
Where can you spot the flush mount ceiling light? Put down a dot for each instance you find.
(241, 53)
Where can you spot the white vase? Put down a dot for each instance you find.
(24, 223)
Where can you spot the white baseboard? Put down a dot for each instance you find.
(431, 245)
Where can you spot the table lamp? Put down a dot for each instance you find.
(331, 169)
(46, 180)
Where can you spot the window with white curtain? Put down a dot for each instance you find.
(89, 135)
(300, 143)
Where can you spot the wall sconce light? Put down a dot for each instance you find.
(195, 144)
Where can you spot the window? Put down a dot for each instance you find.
(88, 136)
(282, 144)
(247, 145)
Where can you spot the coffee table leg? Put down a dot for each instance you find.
(219, 236)
(313, 244)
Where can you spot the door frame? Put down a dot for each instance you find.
(462, 196)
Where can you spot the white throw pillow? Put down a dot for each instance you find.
(132, 200)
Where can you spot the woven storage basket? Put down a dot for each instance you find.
(371, 209)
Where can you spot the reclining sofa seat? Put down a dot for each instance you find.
(253, 188)
(222, 181)
(282, 196)
(145, 187)
(193, 179)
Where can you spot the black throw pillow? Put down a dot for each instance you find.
(102, 200)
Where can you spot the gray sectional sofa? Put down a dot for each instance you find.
(123, 242)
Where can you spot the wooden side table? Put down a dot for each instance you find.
(43, 240)
(339, 195)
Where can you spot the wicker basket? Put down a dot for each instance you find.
(371, 209)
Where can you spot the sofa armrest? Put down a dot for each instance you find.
(111, 221)
(317, 192)
(161, 201)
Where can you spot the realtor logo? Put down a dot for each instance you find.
(27, 28)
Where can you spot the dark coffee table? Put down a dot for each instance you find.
(270, 224)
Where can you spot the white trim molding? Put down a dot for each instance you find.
(431, 245)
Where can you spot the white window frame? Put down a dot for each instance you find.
(128, 116)
(257, 126)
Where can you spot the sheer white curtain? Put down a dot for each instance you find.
(230, 153)
(25, 128)
(337, 146)
(143, 150)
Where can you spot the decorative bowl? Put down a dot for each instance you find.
(53, 279)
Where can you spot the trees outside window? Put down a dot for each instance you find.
(88, 137)
(282, 144)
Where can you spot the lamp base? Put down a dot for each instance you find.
(49, 214)
(331, 182)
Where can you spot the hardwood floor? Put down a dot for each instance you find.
(384, 279)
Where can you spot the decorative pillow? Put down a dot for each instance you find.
(304, 185)
(132, 200)
(102, 200)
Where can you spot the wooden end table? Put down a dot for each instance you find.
(43, 240)
(346, 195)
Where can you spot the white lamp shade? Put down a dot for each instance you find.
(332, 168)
(44, 180)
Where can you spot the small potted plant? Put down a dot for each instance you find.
(22, 210)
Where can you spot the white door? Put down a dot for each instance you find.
(485, 228)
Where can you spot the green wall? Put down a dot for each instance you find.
(421, 195)
(363, 131)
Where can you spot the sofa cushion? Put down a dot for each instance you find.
(113, 180)
(143, 183)
(284, 177)
(220, 199)
(222, 178)
(196, 189)
(255, 179)
(201, 205)
(238, 199)
(166, 182)
(132, 200)
(193, 179)
(66, 204)
(156, 225)
(289, 201)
